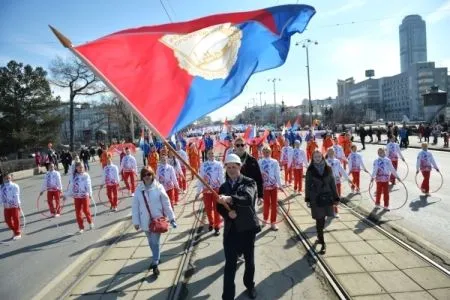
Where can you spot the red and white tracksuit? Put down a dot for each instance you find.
(355, 164)
(52, 184)
(10, 199)
(340, 155)
(270, 171)
(286, 162)
(111, 179)
(393, 152)
(425, 162)
(338, 173)
(81, 190)
(182, 182)
(299, 161)
(382, 170)
(128, 168)
(165, 174)
(175, 163)
(212, 172)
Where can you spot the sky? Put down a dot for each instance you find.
(352, 36)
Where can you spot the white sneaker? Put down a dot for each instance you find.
(132, 194)
(115, 209)
(378, 206)
(91, 226)
(274, 227)
(57, 215)
(337, 216)
(17, 237)
(386, 208)
(80, 231)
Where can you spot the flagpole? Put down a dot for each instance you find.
(68, 44)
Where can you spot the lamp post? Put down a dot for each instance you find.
(274, 80)
(260, 101)
(305, 44)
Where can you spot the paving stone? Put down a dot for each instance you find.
(173, 249)
(385, 246)
(301, 220)
(127, 282)
(142, 252)
(343, 265)
(375, 262)
(155, 294)
(440, 294)
(119, 295)
(165, 280)
(170, 262)
(108, 267)
(405, 260)
(298, 213)
(395, 281)
(345, 236)
(345, 217)
(412, 296)
(358, 248)
(92, 284)
(374, 297)
(312, 237)
(335, 249)
(134, 242)
(85, 297)
(429, 277)
(369, 234)
(136, 266)
(335, 225)
(175, 238)
(359, 284)
(119, 253)
(356, 224)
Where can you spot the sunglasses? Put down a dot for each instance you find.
(239, 145)
(147, 174)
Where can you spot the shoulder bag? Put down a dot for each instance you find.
(158, 225)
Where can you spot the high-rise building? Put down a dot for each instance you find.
(413, 41)
(343, 87)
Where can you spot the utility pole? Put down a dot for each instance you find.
(305, 44)
(260, 101)
(274, 80)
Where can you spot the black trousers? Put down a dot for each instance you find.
(363, 141)
(203, 156)
(235, 244)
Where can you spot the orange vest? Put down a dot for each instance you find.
(311, 146)
(276, 152)
(153, 159)
(104, 158)
(327, 143)
(254, 150)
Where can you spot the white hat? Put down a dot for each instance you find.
(297, 142)
(232, 159)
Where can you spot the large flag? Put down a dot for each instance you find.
(175, 73)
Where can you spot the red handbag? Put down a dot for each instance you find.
(158, 225)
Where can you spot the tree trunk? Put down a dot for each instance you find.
(71, 122)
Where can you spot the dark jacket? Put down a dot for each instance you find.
(244, 198)
(315, 185)
(250, 168)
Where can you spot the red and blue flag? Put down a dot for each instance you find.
(175, 73)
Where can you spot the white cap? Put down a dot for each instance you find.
(232, 159)
(297, 142)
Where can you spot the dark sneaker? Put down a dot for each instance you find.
(251, 293)
(155, 271)
(216, 232)
(210, 228)
(323, 249)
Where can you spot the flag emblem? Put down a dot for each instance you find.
(210, 52)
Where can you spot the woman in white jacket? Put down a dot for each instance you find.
(159, 205)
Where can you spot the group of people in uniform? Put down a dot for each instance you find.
(234, 188)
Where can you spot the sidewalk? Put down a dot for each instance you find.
(413, 142)
(365, 262)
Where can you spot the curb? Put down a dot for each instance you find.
(75, 269)
(414, 147)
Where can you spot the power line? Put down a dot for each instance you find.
(165, 9)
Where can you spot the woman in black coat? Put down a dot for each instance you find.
(320, 194)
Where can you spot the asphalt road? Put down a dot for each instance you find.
(427, 217)
(49, 245)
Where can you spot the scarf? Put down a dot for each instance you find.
(320, 167)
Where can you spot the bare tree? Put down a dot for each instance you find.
(71, 73)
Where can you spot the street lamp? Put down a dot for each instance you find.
(305, 44)
(260, 100)
(274, 80)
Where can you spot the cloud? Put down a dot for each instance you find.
(439, 14)
(47, 50)
(349, 5)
